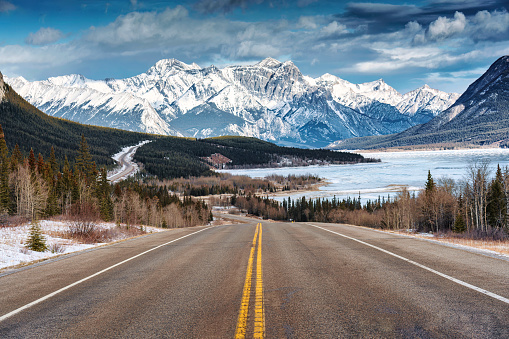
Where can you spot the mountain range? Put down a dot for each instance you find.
(270, 100)
(480, 116)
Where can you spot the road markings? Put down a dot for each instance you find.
(33, 303)
(259, 322)
(457, 281)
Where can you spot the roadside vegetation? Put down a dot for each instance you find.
(227, 184)
(34, 188)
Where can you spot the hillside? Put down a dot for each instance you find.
(479, 117)
(25, 125)
(270, 100)
(166, 157)
(172, 157)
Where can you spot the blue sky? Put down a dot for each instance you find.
(444, 43)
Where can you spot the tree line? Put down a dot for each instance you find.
(477, 205)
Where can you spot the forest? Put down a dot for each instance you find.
(33, 187)
(477, 207)
(172, 157)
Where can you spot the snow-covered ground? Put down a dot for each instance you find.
(12, 242)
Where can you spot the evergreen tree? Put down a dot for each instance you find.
(430, 183)
(36, 241)
(16, 158)
(104, 196)
(459, 224)
(429, 204)
(84, 163)
(32, 163)
(53, 161)
(496, 207)
(5, 195)
(40, 164)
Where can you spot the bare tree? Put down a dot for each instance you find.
(31, 192)
(475, 193)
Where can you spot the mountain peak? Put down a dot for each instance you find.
(269, 63)
(167, 65)
(489, 78)
(68, 80)
(327, 77)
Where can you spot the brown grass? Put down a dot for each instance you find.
(499, 246)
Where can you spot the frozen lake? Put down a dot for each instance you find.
(397, 169)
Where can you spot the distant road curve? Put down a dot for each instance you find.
(126, 165)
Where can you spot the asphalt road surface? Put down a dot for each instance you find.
(273, 280)
(128, 166)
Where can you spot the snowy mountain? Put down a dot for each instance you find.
(480, 116)
(271, 100)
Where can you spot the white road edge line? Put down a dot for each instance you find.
(457, 281)
(33, 303)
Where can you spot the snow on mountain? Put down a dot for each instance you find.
(271, 100)
(425, 103)
(74, 100)
(2, 85)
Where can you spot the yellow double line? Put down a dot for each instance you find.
(259, 320)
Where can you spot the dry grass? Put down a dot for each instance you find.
(498, 246)
(98, 234)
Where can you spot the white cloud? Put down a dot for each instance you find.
(490, 25)
(443, 27)
(44, 36)
(307, 22)
(334, 28)
(16, 56)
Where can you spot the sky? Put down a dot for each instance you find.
(446, 44)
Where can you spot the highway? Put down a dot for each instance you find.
(260, 279)
(126, 164)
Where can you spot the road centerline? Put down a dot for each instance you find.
(259, 324)
(259, 321)
(46, 297)
(443, 275)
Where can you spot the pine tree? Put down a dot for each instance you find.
(16, 157)
(36, 241)
(459, 224)
(496, 207)
(40, 164)
(5, 194)
(32, 163)
(429, 203)
(430, 183)
(53, 161)
(84, 162)
(104, 196)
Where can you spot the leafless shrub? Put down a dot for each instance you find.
(57, 248)
(12, 220)
(83, 223)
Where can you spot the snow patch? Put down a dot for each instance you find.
(12, 242)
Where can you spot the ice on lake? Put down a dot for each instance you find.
(398, 169)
